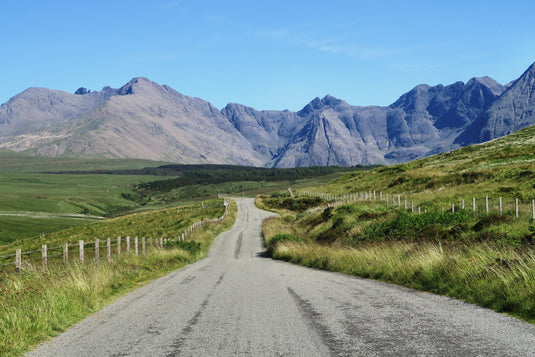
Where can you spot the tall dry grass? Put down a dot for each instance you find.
(36, 304)
(498, 277)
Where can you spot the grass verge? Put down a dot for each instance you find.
(373, 243)
(36, 305)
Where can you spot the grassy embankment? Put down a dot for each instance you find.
(33, 203)
(486, 259)
(36, 304)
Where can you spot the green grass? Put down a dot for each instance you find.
(426, 252)
(167, 223)
(17, 162)
(483, 258)
(36, 305)
(501, 168)
(25, 198)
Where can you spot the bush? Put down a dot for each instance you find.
(279, 238)
(414, 227)
(190, 246)
(491, 220)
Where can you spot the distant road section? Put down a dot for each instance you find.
(237, 302)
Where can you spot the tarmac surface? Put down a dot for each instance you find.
(238, 302)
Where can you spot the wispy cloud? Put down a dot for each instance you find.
(334, 44)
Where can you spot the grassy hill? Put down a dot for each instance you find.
(485, 258)
(503, 167)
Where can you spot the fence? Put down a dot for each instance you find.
(94, 250)
(513, 207)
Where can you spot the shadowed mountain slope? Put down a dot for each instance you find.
(146, 120)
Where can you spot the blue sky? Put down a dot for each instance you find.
(265, 54)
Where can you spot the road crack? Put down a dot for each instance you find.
(178, 343)
(327, 343)
(238, 246)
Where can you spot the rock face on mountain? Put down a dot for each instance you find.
(512, 111)
(143, 119)
(329, 131)
(140, 120)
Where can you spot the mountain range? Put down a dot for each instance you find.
(143, 119)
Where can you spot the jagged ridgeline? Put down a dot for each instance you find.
(145, 120)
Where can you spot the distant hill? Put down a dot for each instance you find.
(146, 120)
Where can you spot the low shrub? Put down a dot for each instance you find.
(190, 246)
(279, 238)
(491, 220)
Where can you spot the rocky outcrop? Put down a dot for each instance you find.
(512, 111)
(143, 119)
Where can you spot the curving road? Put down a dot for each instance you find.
(237, 302)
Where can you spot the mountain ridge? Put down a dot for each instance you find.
(144, 119)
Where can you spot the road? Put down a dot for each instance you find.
(238, 302)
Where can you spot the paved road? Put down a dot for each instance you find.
(237, 302)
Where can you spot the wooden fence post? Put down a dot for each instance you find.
(474, 205)
(97, 250)
(452, 207)
(108, 250)
(161, 242)
(18, 259)
(412, 206)
(143, 247)
(44, 256)
(66, 252)
(516, 207)
(118, 245)
(462, 204)
(533, 210)
(501, 208)
(136, 247)
(81, 247)
(128, 244)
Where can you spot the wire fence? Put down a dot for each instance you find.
(481, 205)
(94, 250)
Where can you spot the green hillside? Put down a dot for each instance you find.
(487, 258)
(501, 168)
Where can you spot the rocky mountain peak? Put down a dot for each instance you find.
(494, 87)
(317, 104)
(81, 91)
(137, 85)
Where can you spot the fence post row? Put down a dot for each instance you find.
(162, 241)
(372, 195)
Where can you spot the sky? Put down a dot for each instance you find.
(264, 54)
